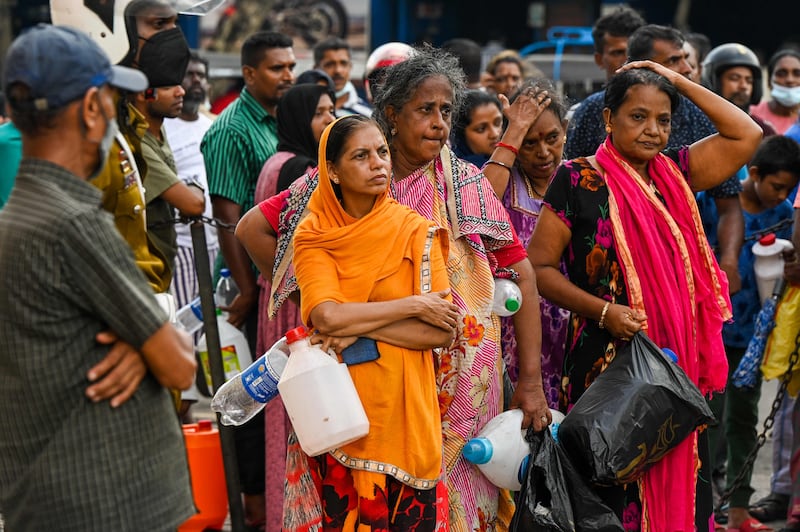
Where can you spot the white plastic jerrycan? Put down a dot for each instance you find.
(236, 354)
(500, 450)
(768, 264)
(320, 398)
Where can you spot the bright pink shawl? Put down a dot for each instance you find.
(672, 275)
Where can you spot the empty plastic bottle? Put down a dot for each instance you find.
(243, 396)
(507, 297)
(500, 450)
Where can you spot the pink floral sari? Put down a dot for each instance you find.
(456, 195)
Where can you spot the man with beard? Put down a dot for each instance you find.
(234, 149)
(184, 134)
(733, 71)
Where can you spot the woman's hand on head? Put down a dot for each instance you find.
(436, 309)
(623, 322)
(526, 109)
(658, 68)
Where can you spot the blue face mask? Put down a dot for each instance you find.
(786, 96)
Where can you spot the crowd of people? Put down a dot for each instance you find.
(387, 214)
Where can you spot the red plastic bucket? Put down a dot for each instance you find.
(208, 477)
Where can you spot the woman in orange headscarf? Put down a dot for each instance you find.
(369, 267)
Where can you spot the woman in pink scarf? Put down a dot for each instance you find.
(626, 223)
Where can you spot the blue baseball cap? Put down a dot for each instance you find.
(59, 64)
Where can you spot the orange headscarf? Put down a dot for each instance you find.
(386, 231)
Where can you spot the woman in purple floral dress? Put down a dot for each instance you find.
(531, 150)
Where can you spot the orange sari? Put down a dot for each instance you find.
(379, 257)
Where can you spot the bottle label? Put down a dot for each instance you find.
(230, 363)
(260, 380)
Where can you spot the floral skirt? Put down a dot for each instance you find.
(322, 494)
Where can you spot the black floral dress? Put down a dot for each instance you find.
(579, 196)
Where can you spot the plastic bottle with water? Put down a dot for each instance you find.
(245, 395)
(226, 290)
(507, 297)
(500, 450)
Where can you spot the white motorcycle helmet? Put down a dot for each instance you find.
(104, 20)
(382, 57)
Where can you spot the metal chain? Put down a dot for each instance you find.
(768, 422)
(213, 222)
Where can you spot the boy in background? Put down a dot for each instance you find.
(771, 175)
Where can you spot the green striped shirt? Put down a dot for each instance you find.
(235, 148)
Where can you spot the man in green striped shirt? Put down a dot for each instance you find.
(235, 148)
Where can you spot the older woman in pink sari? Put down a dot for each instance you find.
(626, 223)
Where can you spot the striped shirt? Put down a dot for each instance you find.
(67, 463)
(235, 148)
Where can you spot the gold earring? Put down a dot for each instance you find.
(608, 128)
(393, 131)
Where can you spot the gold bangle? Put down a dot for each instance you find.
(499, 163)
(602, 322)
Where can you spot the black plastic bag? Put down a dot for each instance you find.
(641, 407)
(554, 497)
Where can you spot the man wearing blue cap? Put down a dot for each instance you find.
(68, 462)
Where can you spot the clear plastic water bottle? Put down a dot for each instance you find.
(190, 317)
(507, 297)
(226, 290)
(243, 396)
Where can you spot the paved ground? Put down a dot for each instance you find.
(761, 471)
(763, 466)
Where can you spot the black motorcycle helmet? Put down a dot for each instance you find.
(730, 55)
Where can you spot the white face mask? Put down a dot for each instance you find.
(786, 96)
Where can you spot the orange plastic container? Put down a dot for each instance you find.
(208, 477)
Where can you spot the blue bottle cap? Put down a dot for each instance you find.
(478, 450)
(224, 272)
(197, 309)
(670, 354)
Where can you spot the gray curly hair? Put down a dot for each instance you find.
(403, 79)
